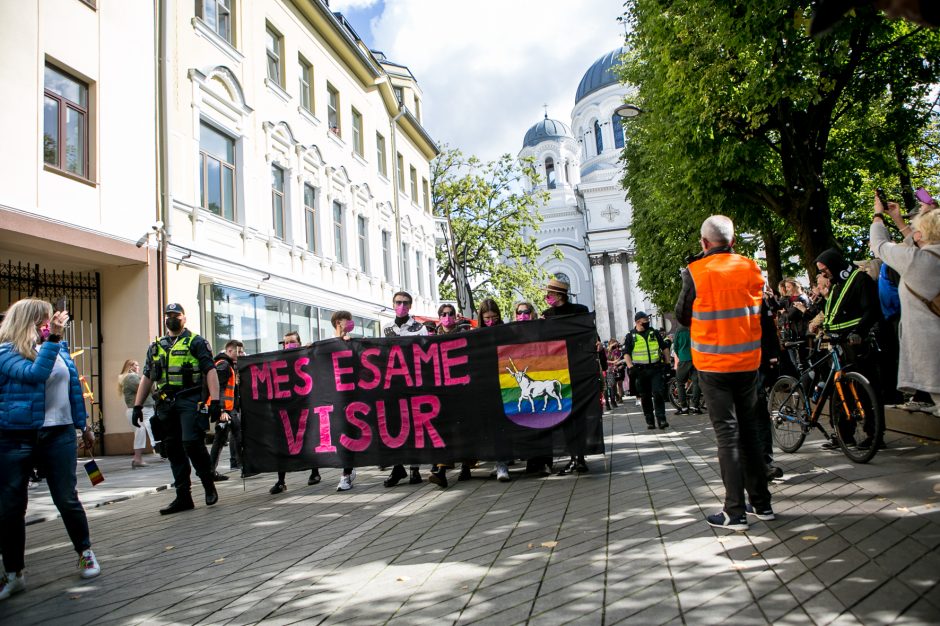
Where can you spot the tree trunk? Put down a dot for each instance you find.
(772, 252)
(904, 177)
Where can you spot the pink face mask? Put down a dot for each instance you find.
(448, 320)
(44, 332)
(401, 310)
(350, 325)
(291, 344)
(551, 299)
(490, 322)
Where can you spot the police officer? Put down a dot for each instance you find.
(177, 364)
(646, 354)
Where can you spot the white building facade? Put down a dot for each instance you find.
(588, 216)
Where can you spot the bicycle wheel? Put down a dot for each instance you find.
(863, 419)
(674, 393)
(786, 403)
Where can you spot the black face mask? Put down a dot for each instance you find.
(645, 325)
(174, 324)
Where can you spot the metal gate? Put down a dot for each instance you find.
(82, 291)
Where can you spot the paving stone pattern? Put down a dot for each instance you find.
(853, 544)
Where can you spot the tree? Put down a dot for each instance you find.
(746, 115)
(490, 217)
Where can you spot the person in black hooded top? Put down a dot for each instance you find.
(852, 309)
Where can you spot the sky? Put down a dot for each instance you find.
(487, 67)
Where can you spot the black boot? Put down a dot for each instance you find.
(398, 472)
(183, 502)
(212, 496)
(415, 477)
(439, 477)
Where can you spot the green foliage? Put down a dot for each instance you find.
(747, 116)
(489, 215)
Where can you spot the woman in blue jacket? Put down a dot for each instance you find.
(41, 405)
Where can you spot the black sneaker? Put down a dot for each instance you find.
(696, 411)
(464, 473)
(217, 477)
(278, 487)
(212, 495)
(773, 472)
(865, 444)
(581, 466)
(651, 427)
(415, 477)
(831, 444)
(398, 472)
(663, 425)
(314, 478)
(723, 520)
(177, 506)
(439, 478)
(682, 412)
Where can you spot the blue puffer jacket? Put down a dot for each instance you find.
(23, 387)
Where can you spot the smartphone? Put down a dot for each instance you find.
(882, 197)
(61, 304)
(922, 196)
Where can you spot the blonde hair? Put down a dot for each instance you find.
(128, 364)
(929, 226)
(19, 325)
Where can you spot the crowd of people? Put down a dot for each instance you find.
(726, 351)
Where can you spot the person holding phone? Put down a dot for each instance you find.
(41, 406)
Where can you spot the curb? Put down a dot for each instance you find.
(145, 492)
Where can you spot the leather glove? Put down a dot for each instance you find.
(215, 411)
(137, 415)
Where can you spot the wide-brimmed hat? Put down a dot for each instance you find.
(558, 286)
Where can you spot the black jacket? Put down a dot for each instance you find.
(861, 300)
(568, 308)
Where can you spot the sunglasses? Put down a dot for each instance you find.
(402, 303)
(524, 312)
(448, 315)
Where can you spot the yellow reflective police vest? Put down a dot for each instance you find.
(176, 364)
(645, 349)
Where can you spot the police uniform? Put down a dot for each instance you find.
(178, 366)
(646, 351)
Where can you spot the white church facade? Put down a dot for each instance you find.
(588, 216)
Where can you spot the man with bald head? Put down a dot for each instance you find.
(720, 302)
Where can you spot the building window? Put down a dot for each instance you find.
(414, 185)
(419, 268)
(380, 154)
(338, 232)
(399, 95)
(418, 110)
(65, 122)
(387, 255)
(405, 267)
(216, 172)
(427, 195)
(598, 139)
(332, 115)
(306, 79)
(217, 14)
(430, 277)
(617, 121)
(401, 172)
(277, 201)
(567, 173)
(550, 172)
(357, 132)
(363, 234)
(275, 46)
(310, 216)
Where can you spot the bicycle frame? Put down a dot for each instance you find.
(832, 385)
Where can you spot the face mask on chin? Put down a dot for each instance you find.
(174, 324)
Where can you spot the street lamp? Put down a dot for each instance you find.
(628, 110)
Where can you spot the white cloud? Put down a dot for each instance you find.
(351, 5)
(487, 67)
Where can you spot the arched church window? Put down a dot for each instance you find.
(617, 121)
(567, 173)
(563, 277)
(598, 140)
(550, 172)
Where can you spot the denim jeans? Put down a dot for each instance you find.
(52, 450)
(732, 404)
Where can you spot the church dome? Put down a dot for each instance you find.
(600, 75)
(545, 129)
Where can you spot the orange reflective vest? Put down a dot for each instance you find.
(228, 392)
(725, 329)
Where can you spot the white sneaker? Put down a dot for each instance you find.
(346, 482)
(88, 565)
(10, 583)
(502, 473)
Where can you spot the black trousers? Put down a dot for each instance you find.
(226, 432)
(732, 400)
(182, 430)
(651, 388)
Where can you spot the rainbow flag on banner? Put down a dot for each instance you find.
(94, 472)
(535, 383)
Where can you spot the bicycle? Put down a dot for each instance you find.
(672, 391)
(853, 405)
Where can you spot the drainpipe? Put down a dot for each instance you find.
(393, 124)
(163, 150)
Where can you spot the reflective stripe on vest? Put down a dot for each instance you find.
(725, 331)
(175, 361)
(831, 315)
(228, 392)
(650, 349)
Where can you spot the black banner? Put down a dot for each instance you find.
(513, 391)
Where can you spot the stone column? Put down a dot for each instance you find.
(619, 299)
(602, 313)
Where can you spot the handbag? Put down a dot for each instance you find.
(934, 304)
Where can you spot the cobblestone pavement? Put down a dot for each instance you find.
(624, 544)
